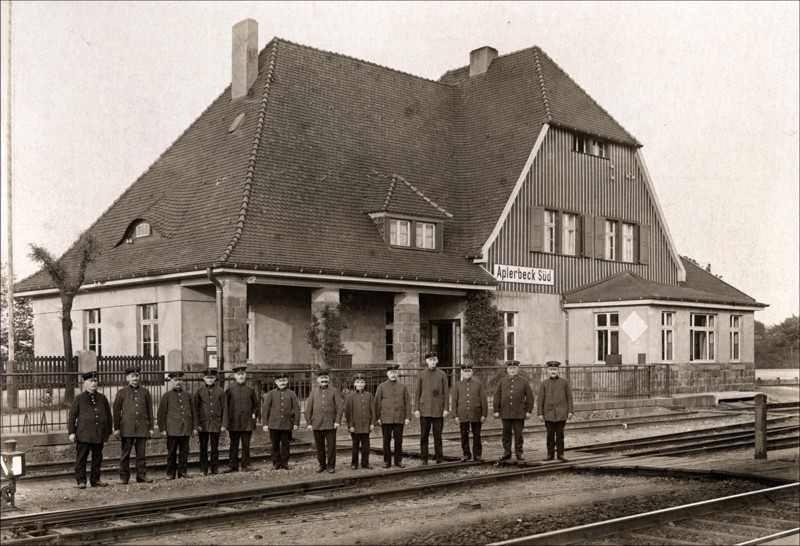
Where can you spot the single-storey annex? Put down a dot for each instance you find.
(318, 179)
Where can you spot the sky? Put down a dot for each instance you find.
(710, 89)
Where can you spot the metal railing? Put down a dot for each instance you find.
(41, 405)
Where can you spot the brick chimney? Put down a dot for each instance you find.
(245, 57)
(480, 59)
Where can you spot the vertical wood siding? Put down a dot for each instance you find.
(563, 180)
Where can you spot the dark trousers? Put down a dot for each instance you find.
(325, 440)
(425, 424)
(392, 430)
(128, 444)
(514, 425)
(177, 455)
(236, 437)
(477, 447)
(280, 446)
(80, 465)
(204, 439)
(555, 437)
(360, 445)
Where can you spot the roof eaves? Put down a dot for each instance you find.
(251, 163)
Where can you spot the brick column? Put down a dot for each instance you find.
(234, 321)
(406, 329)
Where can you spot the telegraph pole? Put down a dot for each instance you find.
(12, 391)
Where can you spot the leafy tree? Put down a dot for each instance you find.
(68, 276)
(778, 346)
(23, 325)
(483, 329)
(325, 335)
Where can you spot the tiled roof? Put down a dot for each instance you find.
(700, 287)
(288, 188)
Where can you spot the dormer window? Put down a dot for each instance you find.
(399, 232)
(426, 235)
(142, 229)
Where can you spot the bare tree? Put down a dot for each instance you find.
(67, 274)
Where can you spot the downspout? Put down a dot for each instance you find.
(566, 334)
(218, 285)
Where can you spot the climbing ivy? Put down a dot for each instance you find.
(483, 329)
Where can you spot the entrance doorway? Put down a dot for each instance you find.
(445, 341)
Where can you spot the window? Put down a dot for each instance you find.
(702, 337)
(509, 335)
(569, 234)
(667, 335)
(606, 335)
(736, 337)
(400, 232)
(390, 335)
(611, 240)
(590, 146)
(148, 329)
(94, 335)
(426, 235)
(549, 231)
(142, 230)
(627, 242)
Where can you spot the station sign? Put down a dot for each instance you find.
(524, 275)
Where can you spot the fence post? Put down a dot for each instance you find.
(12, 395)
(761, 426)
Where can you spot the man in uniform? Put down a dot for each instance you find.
(280, 415)
(208, 408)
(133, 424)
(554, 408)
(89, 426)
(359, 411)
(513, 403)
(176, 420)
(324, 409)
(432, 399)
(241, 413)
(392, 413)
(470, 406)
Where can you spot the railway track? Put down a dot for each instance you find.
(122, 521)
(756, 517)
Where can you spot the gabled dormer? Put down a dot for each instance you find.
(404, 216)
(138, 230)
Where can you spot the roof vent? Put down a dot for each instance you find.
(480, 59)
(236, 122)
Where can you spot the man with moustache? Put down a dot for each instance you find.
(89, 426)
(241, 413)
(281, 415)
(175, 418)
(324, 409)
(208, 408)
(513, 403)
(432, 400)
(392, 413)
(470, 407)
(554, 407)
(133, 424)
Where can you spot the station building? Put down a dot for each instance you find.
(318, 179)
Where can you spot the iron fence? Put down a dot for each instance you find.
(42, 407)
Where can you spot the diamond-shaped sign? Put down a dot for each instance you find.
(634, 326)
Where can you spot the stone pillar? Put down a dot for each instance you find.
(234, 321)
(406, 329)
(320, 299)
(761, 426)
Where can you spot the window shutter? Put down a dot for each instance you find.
(599, 237)
(644, 244)
(587, 228)
(537, 233)
(618, 241)
(439, 236)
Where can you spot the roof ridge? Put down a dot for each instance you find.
(419, 192)
(686, 258)
(589, 96)
(542, 87)
(588, 285)
(251, 162)
(352, 58)
(389, 192)
(466, 66)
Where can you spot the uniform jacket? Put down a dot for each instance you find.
(555, 399)
(241, 405)
(175, 413)
(392, 403)
(469, 401)
(359, 410)
(432, 392)
(324, 407)
(208, 408)
(90, 418)
(513, 397)
(133, 412)
(281, 409)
